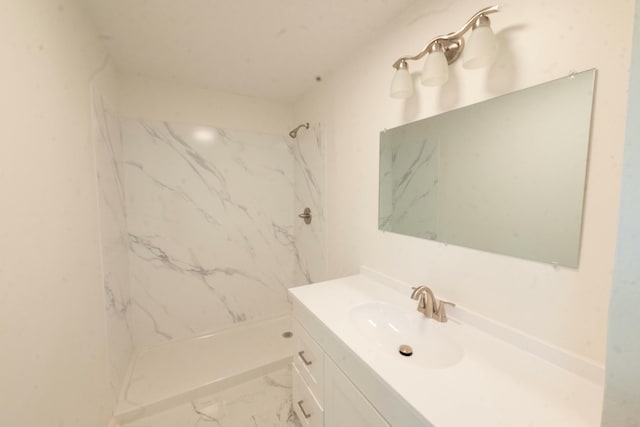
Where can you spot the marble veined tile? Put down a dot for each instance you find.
(261, 402)
(308, 152)
(211, 234)
(113, 235)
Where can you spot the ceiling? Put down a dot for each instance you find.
(272, 49)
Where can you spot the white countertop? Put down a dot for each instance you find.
(495, 383)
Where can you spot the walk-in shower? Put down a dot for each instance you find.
(205, 254)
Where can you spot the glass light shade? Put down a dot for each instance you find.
(481, 48)
(401, 85)
(436, 69)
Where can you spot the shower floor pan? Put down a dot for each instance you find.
(170, 374)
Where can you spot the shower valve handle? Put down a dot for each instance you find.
(306, 215)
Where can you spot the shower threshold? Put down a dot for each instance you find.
(165, 375)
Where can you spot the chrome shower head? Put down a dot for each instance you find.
(294, 133)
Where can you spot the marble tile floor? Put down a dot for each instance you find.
(261, 402)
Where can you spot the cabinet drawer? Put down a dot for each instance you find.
(304, 404)
(308, 358)
(345, 405)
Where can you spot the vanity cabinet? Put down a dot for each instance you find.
(305, 404)
(308, 378)
(309, 361)
(500, 377)
(322, 394)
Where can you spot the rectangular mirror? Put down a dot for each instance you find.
(505, 175)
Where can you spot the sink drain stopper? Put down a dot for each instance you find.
(405, 350)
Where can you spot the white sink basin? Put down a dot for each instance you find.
(388, 326)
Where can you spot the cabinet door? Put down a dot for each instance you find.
(344, 405)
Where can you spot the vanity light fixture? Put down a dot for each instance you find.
(444, 50)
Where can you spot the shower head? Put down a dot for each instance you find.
(294, 133)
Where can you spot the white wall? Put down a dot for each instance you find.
(540, 41)
(53, 362)
(622, 393)
(146, 98)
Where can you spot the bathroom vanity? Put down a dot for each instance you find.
(322, 394)
(469, 371)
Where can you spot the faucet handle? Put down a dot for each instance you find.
(441, 313)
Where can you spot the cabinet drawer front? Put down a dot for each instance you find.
(344, 404)
(304, 404)
(309, 360)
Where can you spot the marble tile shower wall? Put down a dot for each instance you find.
(212, 237)
(113, 235)
(308, 152)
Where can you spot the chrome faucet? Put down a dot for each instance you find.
(428, 305)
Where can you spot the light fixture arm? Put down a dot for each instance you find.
(452, 42)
